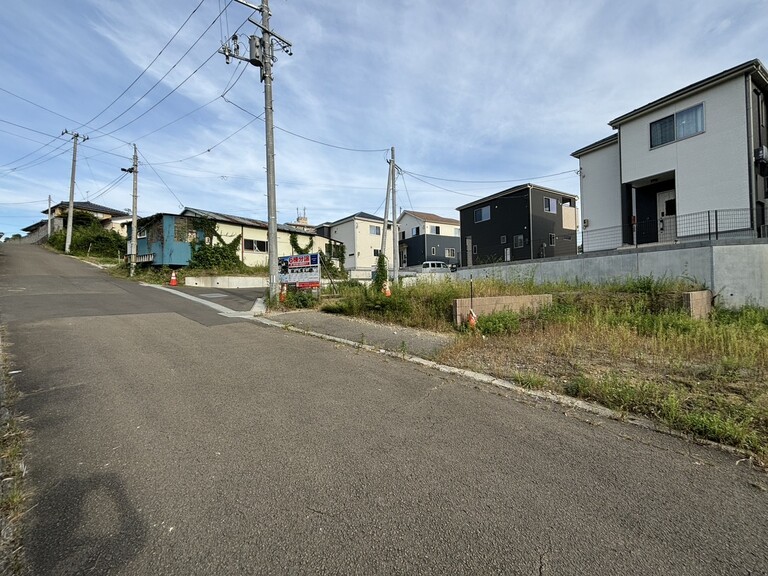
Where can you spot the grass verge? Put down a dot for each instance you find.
(13, 494)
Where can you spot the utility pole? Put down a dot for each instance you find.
(261, 55)
(71, 211)
(383, 251)
(134, 232)
(395, 240)
(49, 215)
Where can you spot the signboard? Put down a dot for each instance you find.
(303, 270)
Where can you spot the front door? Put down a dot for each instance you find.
(468, 244)
(666, 215)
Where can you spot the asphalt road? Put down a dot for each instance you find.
(169, 439)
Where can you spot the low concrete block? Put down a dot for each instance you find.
(698, 304)
(491, 304)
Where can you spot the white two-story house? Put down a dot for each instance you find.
(691, 165)
(361, 234)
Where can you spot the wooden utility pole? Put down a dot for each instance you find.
(71, 211)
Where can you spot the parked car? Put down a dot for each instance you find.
(435, 266)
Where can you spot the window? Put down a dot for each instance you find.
(518, 241)
(474, 248)
(415, 231)
(181, 230)
(503, 239)
(552, 239)
(374, 230)
(450, 252)
(402, 235)
(550, 205)
(507, 254)
(434, 251)
(678, 126)
(482, 214)
(255, 245)
(376, 253)
(435, 229)
(457, 231)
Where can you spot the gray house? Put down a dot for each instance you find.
(521, 223)
(425, 236)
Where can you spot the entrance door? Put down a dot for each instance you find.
(666, 211)
(468, 244)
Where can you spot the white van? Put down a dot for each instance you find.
(435, 266)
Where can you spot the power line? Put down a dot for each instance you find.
(307, 138)
(181, 204)
(414, 174)
(212, 147)
(163, 78)
(147, 67)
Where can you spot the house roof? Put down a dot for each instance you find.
(241, 220)
(427, 217)
(612, 139)
(754, 68)
(88, 207)
(356, 216)
(514, 190)
(35, 226)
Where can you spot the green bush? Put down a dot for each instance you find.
(498, 323)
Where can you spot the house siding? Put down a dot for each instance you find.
(709, 168)
(601, 192)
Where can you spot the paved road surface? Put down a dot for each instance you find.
(168, 439)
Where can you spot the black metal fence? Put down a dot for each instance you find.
(703, 226)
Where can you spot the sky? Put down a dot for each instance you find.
(475, 97)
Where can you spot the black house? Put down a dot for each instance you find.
(521, 223)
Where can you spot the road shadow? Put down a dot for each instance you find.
(84, 525)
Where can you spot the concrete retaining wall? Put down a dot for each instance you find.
(736, 273)
(227, 281)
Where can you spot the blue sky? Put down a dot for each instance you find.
(474, 96)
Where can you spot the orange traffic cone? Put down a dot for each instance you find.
(386, 290)
(174, 282)
(283, 292)
(472, 319)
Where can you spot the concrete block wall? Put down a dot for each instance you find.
(698, 304)
(491, 304)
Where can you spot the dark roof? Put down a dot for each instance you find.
(429, 217)
(515, 190)
(36, 225)
(753, 67)
(242, 221)
(88, 207)
(613, 138)
(360, 215)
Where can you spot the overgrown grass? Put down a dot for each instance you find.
(629, 346)
(162, 274)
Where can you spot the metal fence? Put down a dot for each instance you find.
(705, 226)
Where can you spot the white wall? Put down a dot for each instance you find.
(600, 188)
(360, 244)
(710, 168)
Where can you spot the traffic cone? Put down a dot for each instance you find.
(472, 319)
(386, 290)
(283, 292)
(174, 282)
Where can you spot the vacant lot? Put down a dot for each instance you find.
(630, 347)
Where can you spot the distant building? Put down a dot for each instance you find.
(521, 223)
(425, 236)
(361, 235)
